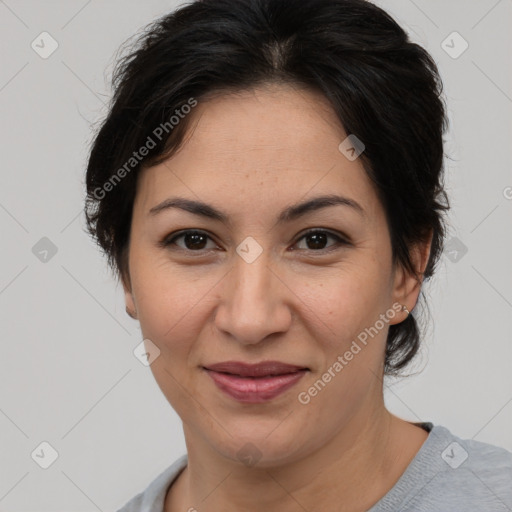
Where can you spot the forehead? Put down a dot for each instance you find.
(272, 120)
(243, 147)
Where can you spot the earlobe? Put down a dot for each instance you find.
(131, 310)
(130, 304)
(131, 313)
(406, 291)
(407, 285)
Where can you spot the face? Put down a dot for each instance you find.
(258, 285)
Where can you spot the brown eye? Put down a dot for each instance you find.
(192, 241)
(316, 240)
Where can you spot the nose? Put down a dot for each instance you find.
(255, 301)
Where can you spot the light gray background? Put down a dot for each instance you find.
(68, 374)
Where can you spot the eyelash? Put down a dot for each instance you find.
(170, 240)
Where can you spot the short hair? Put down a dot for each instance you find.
(384, 89)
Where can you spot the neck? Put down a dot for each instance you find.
(351, 471)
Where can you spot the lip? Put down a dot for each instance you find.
(254, 383)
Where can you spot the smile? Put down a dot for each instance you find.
(254, 383)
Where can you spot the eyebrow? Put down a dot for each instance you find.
(287, 215)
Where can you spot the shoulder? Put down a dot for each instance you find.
(152, 498)
(486, 459)
(450, 474)
(487, 467)
(467, 474)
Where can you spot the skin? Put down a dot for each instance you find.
(251, 155)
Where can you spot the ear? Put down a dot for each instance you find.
(131, 310)
(407, 286)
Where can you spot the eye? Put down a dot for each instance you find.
(316, 240)
(193, 240)
(196, 241)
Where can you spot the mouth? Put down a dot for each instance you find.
(254, 383)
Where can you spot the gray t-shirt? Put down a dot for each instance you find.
(447, 474)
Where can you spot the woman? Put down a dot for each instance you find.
(268, 187)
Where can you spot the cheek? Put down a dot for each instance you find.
(345, 300)
(172, 309)
(169, 298)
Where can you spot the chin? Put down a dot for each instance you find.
(264, 447)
